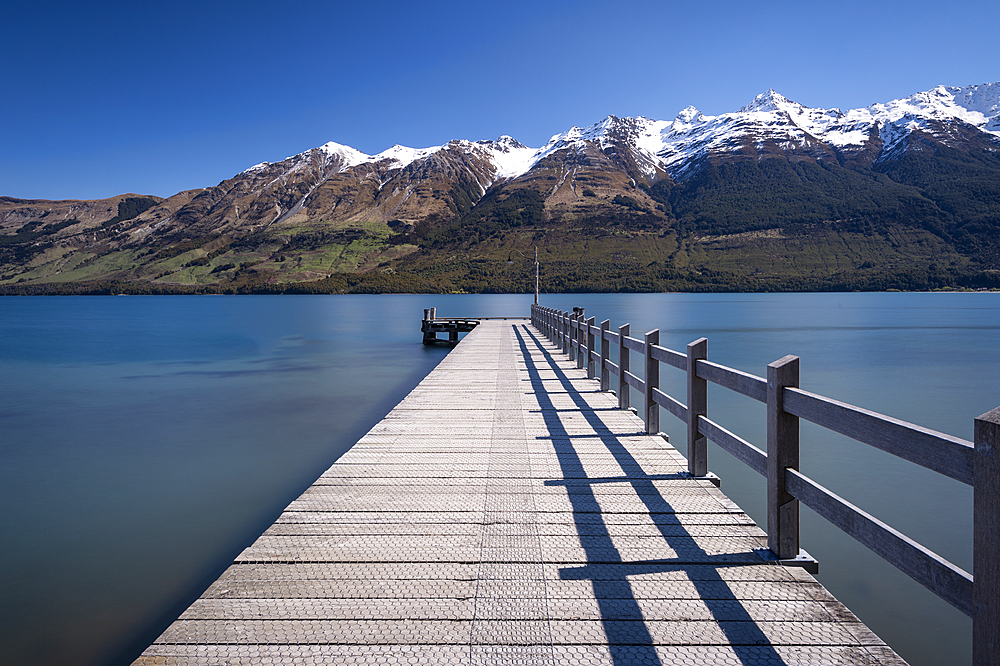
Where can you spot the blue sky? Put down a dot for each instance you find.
(103, 98)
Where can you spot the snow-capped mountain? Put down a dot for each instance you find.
(771, 122)
(645, 175)
(770, 125)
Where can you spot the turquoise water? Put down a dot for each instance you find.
(147, 440)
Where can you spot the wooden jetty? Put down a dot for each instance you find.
(432, 325)
(508, 511)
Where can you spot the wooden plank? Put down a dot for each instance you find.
(635, 344)
(922, 565)
(934, 450)
(635, 382)
(670, 357)
(742, 449)
(668, 403)
(744, 383)
(506, 512)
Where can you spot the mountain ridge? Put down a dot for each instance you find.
(889, 168)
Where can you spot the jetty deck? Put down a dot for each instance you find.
(507, 512)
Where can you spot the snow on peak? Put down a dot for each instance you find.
(976, 105)
(983, 98)
(350, 156)
(507, 142)
(575, 136)
(689, 115)
(510, 157)
(405, 156)
(255, 167)
(679, 144)
(769, 101)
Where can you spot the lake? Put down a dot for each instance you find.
(147, 440)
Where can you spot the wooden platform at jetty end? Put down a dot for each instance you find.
(506, 512)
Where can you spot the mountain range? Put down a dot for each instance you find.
(775, 195)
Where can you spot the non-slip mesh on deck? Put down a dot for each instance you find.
(506, 512)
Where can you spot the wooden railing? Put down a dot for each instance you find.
(976, 464)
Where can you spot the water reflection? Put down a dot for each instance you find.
(145, 440)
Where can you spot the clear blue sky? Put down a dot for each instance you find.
(102, 98)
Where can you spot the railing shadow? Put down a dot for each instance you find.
(628, 636)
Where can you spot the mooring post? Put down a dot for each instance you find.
(782, 453)
(986, 541)
(605, 354)
(623, 367)
(697, 405)
(651, 407)
(433, 314)
(591, 372)
(425, 327)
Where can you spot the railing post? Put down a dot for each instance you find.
(565, 332)
(623, 367)
(605, 354)
(782, 453)
(986, 542)
(591, 372)
(697, 405)
(651, 408)
(570, 320)
(580, 340)
(573, 332)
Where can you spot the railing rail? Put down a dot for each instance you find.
(974, 463)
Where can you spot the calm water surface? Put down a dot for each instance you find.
(144, 441)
